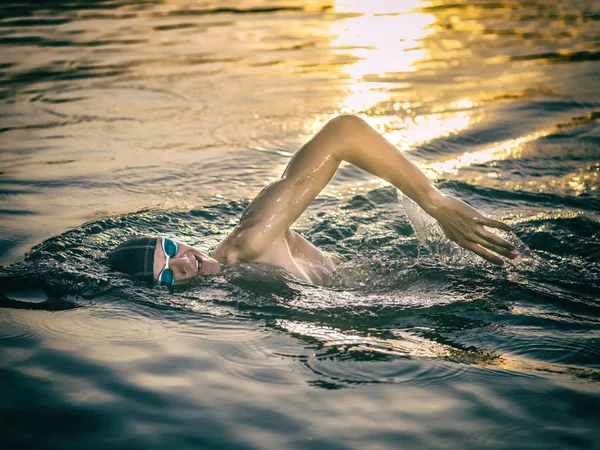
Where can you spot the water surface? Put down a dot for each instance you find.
(127, 117)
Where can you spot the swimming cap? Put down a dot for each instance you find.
(135, 257)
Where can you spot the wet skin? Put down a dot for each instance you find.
(263, 233)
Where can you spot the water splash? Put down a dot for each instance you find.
(432, 239)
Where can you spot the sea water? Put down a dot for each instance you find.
(167, 117)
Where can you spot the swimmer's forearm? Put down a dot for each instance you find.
(364, 147)
(349, 138)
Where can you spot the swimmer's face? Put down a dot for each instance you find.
(188, 262)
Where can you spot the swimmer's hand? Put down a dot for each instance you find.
(467, 227)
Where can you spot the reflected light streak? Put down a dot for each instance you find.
(362, 96)
(384, 38)
(404, 131)
(581, 182)
(508, 149)
(410, 345)
(406, 344)
(383, 44)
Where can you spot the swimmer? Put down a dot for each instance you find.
(263, 233)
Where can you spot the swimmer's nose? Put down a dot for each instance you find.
(183, 264)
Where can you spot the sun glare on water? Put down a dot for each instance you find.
(384, 36)
(385, 40)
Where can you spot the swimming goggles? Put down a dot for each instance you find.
(166, 276)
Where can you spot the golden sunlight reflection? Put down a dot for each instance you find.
(362, 96)
(545, 216)
(508, 149)
(582, 181)
(385, 40)
(383, 37)
(407, 131)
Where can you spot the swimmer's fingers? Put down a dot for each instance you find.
(493, 223)
(494, 243)
(495, 239)
(484, 253)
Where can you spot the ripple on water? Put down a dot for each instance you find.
(255, 357)
(14, 327)
(14, 330)
(97, 323)
(104, 103)
(344, 358)
(518, 416)
(553, 347)
(370, 367)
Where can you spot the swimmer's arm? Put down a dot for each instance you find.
(349, 138)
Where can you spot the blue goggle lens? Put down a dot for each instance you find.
(167, 277)
(170, 248)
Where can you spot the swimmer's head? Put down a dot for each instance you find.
(161, 259)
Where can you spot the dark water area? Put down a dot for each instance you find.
(120, 117)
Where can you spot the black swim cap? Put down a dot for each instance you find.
(135, 257)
